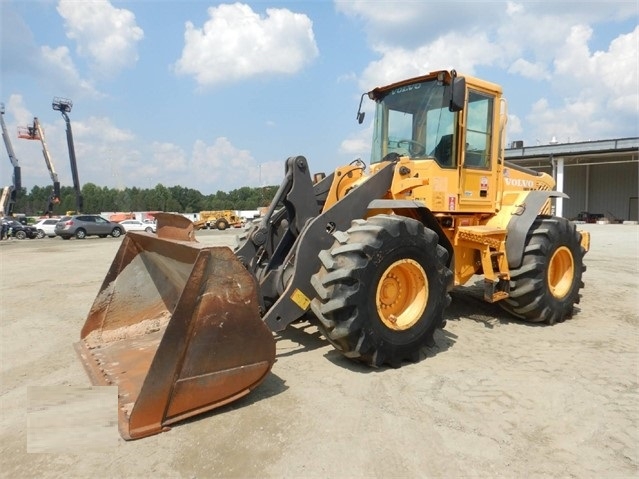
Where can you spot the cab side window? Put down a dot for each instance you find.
(440, 141)
(479, 129)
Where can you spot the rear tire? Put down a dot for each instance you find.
(546, 286)
(80, 234)
(20, 235)
(221, 225)
(382, 290)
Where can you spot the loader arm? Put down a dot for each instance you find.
(266, 245)
(289, 284)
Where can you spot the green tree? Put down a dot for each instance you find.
(160, 198)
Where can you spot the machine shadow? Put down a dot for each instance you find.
(467, 304)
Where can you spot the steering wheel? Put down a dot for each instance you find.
(415, 148)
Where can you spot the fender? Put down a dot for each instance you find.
(521, 221)
(425, 215)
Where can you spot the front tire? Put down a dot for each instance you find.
(20, 235)
(40, 234)
(116, 232)
(546, 286)
(382, 290)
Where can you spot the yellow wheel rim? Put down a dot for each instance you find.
(402, 294)
(561, 272)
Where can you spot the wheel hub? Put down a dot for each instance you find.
(402, 294)
(561, 271)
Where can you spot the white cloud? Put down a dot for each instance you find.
(620, 73)
(169, 157)
(104, 152)
(358, 144)
(51, 67)
(59, 60)
(15, 105)
(410, 24)
(462, 52)
(600, 90)
(575, 120)
(535, 71)
(100, 129)
(222, 164)
(237, 43)
(610, 77)
(586, 94)
(108, 36)
(513, 128)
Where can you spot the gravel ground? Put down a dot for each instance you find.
(494, 398)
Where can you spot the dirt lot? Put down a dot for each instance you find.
(495, 398)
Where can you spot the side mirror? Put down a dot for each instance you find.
(360, 113)
(457, 94)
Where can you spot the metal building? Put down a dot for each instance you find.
(601, 177)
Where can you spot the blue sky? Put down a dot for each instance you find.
(215, 96)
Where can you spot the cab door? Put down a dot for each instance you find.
(477, 188)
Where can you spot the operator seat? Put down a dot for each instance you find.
(443, 152)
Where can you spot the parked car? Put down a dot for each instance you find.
(18, 230)
(46, 227)
(82, 226)
(135, 225)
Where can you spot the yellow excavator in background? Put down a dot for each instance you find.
(367, 255)
(219, 220)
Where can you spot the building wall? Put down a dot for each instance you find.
(600, 176)
(611, 188)
(574, 186)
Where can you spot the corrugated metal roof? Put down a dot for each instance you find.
(580, 149)
(624, 149)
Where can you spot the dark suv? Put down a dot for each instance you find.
(82, 226)
(18, 230)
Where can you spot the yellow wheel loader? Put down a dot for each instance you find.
(369, 255)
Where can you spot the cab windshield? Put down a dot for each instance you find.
(415, 121)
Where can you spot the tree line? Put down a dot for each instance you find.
(161, 198)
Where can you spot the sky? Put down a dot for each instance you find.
(215, 96)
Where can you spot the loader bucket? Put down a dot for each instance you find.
(176, 327)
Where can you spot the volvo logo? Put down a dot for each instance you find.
(519, 182)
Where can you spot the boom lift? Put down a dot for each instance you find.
(369, 257)
(10, 193)
(64, 105)
(35, 132)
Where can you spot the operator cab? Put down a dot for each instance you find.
(419, 119)
(451, 129)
